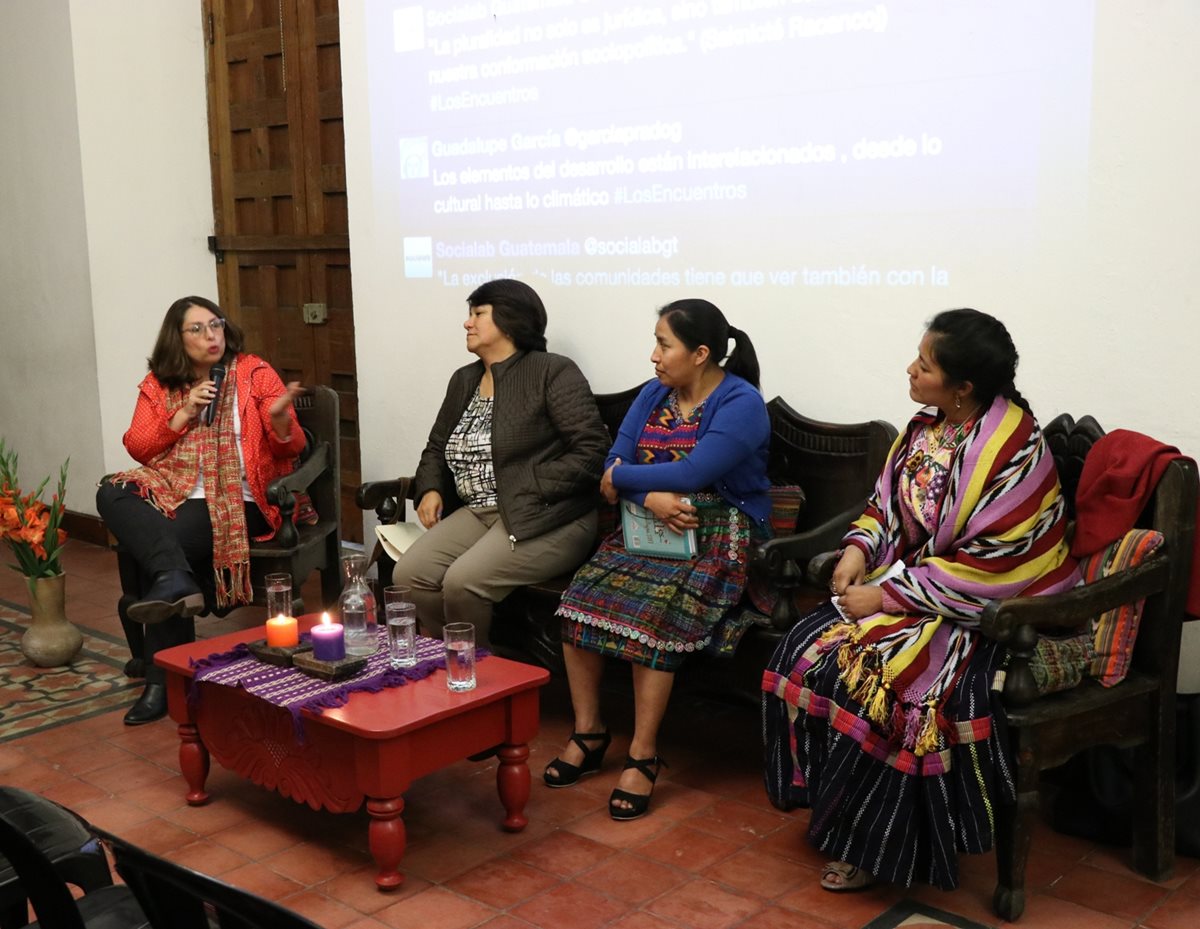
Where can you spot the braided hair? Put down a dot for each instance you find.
(973, 346)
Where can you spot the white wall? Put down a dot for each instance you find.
(1104, 320)
(105, 206)
(143, 135)
(48, 408)
(105, 201)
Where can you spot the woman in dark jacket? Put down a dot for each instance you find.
(508, 482)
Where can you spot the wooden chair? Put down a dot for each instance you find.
(301, 550)
(295, 550)
(1137, 713)
(37, 874)
(175, 897)
(836, 465)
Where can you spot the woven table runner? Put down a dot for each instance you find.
(296, 691)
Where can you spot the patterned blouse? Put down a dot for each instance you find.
(926, 472)
(469, 454)
(669, 435)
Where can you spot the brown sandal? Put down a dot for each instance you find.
(849, 878)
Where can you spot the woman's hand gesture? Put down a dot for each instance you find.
(607, 490)
(281, 403)
(851, 569)
(854, 598)
(429, 509)
(200, 396)
(672, 510)
(859, 601)
(278, 410)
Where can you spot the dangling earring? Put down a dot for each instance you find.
(958, 403)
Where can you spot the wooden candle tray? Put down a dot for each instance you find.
(329, 670)
(283, 656)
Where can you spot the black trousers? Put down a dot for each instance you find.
(159, 543)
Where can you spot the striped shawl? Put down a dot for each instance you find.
(1000, 533)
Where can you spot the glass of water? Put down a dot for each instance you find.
(279, 595)
(460, 655)
(400, 614)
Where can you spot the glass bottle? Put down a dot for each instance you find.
(357, 607)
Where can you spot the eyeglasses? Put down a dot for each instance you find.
(213, 325)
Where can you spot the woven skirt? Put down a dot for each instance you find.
(657, 611)
(899, 816)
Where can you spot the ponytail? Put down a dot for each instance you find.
(743, 360)
(697, 322)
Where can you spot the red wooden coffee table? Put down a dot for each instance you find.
(371, 749)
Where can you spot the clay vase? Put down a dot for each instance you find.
(51, 640)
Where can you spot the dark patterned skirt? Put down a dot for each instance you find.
(657, 611)
(899, 816)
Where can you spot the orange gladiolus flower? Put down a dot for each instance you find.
(29, 525)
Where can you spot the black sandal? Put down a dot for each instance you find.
(566, 774)
(638, 803)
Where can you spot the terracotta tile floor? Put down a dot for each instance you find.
(713, 854)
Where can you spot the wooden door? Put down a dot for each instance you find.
(282, 240)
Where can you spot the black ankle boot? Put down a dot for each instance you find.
(151, 705)
(173, 593)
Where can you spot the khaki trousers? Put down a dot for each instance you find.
(465, 564)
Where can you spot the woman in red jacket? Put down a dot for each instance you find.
(188, 513)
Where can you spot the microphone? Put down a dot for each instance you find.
(217, 376)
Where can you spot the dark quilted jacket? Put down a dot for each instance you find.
(548, 442)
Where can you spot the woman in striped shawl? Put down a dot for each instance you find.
(879, 711)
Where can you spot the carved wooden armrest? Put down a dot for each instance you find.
(801, 547)
(820, 569)
(389, 499)
(1018, 621)
(282, 491)
(785, 561)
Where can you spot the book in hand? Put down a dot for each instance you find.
(646, 534)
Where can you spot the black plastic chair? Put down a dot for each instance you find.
(60, 837)
(108, 907)
(175, 897)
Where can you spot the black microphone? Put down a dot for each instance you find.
(217, 376)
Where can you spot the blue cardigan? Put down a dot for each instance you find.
(730, 453)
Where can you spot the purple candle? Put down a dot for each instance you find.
(328, 641)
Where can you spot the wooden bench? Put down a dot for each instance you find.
(835, 465)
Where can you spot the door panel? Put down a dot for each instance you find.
(279, 197)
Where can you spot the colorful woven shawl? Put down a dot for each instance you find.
(167, 481)
(1000, 533)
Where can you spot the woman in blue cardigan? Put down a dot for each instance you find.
(693, 451)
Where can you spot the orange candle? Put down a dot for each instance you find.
(282, 632)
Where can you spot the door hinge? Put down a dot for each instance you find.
(212, 38)
(218, 252)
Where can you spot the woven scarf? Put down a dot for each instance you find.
(1000, 532)
(212, 451)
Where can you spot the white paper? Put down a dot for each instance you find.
(397, 537)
